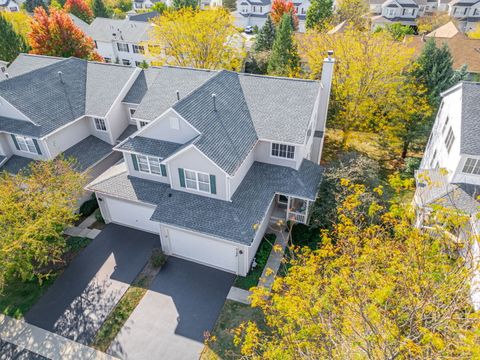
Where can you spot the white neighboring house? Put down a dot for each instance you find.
(404, 12)
(9, 6)
(467, 13)
(147, 4)
(120, 41)
(449, 173)
(77, 111)
(255, 12)
(217, 155)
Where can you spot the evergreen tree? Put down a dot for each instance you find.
(179, 4)
(30, 5)
(318, 12)
(266, 36)
(284, 60)
(435, 70)
(99, 9)
(11, 43)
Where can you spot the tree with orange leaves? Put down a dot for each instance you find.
(80, 9)
(280, 7)
(57, 35)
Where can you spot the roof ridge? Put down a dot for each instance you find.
(275, 77)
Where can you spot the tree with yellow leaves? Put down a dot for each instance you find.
(205, 39)
(36, 205)
(371, 90)
(377, 288)
(354, 12)
(20, 22)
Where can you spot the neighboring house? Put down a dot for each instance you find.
(120, 41)
(144, 17)
(147, 4)
(466, 12)
(465, 51)
(80, 23)
(51, 106)
(255, 12)
(404, 12)
(9, 6)
(217, 155)
(449, 173)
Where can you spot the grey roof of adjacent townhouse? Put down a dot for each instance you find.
(235, 220)
(148, 146)
(88, 152)
(84, 88)
(470, 128)
(25, 63)
(407, 3)
(259, 2)
(227, 133)
(15, 164)
(463, 2)
(144, 16)
(141, 85)
(80, 23)
(162, 94)
(103, 29)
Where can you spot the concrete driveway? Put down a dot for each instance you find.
(78, 302)
(183, 302)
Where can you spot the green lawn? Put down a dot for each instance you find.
(221, 344)
(263, 252)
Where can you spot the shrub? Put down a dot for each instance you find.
(98, 216)
(158, 258)
(89, 206)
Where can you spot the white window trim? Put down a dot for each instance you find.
(148, 158)
(281, 157)
(24, 140)
(197, 187)
(104, 122)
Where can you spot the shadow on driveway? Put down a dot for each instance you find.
(170, 322)
(78, 302)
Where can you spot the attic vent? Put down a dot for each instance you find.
(214, 97)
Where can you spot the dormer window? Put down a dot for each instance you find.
(100, 124)
(283, 151)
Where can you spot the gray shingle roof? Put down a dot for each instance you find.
(15, 164)
(470, 130)
(147, 146)
(88, 152)
(88, 88)
(25, 63)
(233, 220)
(162, 92)
(130, 130)
(144, 16)
(103, 29)
(227, 133)
(141, 85)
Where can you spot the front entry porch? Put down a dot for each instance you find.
(291, 208)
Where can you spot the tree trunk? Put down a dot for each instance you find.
(405, 146)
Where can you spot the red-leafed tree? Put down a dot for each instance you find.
(280, 7)
(57, 35)
(80, 9)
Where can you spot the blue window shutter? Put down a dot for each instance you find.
(181, 175)
(15, 141)
(37, 146)
(213, 184)
(134, 161)
(163, 169)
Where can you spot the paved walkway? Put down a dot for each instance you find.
(21, 339)
(83, 229)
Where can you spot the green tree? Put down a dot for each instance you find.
(230, 5)
(435, 70)
(396, 30)
(36, 205)
(180, 4)
(319, 12)
(159, 7)
(284, 60)
(11, 43)
(30, 5)
(265, 37)
(377, 288)
(99, 9)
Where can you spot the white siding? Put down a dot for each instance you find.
(9, 111)
(67, 137)
(5, 149)
(237, 179)
(160, 129)
(252, 249)
(263, 154)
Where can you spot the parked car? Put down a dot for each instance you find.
(249, 29)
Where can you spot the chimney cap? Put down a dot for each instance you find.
(330, 52)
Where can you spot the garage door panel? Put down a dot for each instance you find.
(132, 214)
(203, 250)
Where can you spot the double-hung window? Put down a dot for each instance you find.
(26, 144)
(138, 49)
(472, 166)
(450, 139)
(149, 164)
(197, 181)
(100, 124)
(283, 151)
(122, 47)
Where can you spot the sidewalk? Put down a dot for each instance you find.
(44, 343)
(83, 229)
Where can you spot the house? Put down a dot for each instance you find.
(51, 106)
(255, 12)
(466, 12)
(404, 12)
(216, 155)
(465, 51)
(449, 173)
(120, 41)
(9, 6)
(144, 16)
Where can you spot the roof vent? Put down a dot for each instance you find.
(330, 53)
(60, 75)
(178, 95)
(6, 75)
(214, 97)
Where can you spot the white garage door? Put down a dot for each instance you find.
(131, 214)
(203, 250)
